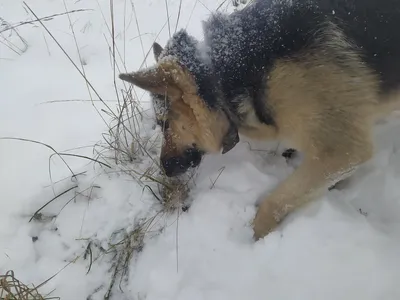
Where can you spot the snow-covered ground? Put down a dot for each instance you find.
(344, 246)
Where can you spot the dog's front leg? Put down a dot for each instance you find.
(305, 184)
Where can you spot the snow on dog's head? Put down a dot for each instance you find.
(186, 105)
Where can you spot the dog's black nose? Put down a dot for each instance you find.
(174, 166)
(177, 165)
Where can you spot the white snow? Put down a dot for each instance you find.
(344, 246)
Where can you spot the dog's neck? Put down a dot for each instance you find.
(194, 56)
(186, 50)
(239, 59)
(242, 48)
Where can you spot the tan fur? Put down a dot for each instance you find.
(190, 121)
(252, 127)
(324, 103)
(193, 123)
(325, 111)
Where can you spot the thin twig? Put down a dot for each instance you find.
(213, 183)
(138, 29)
(48, 18)
(89, 251)
(78, 51)
(222, 3)
(179, 15)
(169, 25)
(191, 14)
(39, 143)
(54, 198)
(85, 157)
(74, 100)
(70, 59)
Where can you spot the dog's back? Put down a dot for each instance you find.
(372, 25)
(245, 44)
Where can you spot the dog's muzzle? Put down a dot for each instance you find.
(177, 165)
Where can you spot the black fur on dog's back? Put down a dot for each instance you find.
(372, 26)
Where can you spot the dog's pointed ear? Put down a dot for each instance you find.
(152, 80)
(157, 49)
(159, 79)
(230, 139)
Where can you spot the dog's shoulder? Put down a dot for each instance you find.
(245, 46)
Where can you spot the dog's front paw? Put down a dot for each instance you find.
(265, 220)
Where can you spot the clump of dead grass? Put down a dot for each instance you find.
(11, 38)
(134, 148)
(13, 289)
(127, 147)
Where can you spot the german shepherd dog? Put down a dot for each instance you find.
(316, 74)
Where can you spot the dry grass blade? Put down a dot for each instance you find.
(152, 192)
(76, 195)
(139, 32)
(39, 143)
(222, 3)
(10, 44)
(9, 47)
(113, 48)
(179, 15)
(205, 6)
(13, 289)
(191, 13)
(73, 100)
(167, 11)
(173, 193)
(48, 18)
(130, 244)
(89, 253)
(213, 182)
(47, 203)
(70, 59)
(84, 157)
(80, 59)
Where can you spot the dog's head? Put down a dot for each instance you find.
(190, 126)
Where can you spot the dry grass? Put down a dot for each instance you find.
(11, 38)
(128, 149)
(135, 152)
(13, 289)
(125, 148)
